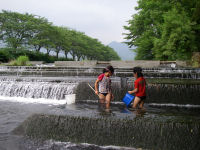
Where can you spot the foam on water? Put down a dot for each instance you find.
(153, 104)
(69, 145)
(33, 101)
(174, 105)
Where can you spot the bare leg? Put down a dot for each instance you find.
(136, 102)
(141, 104)
(108, 99)
(101, 98)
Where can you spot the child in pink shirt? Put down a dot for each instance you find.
(103, 86)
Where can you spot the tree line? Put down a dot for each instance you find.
(35, 33)
(165, 29)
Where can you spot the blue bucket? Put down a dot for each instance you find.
(128, 98)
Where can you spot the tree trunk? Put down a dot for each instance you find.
(57, 53)
(73, 57)
(78, 57)
(48, 51)
(38, 49)
(66, 54)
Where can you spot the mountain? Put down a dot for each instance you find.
(123, 50)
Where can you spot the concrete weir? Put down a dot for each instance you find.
(151, 69)
(139, 132)
(33, 71)
(169, 121)
(159, 91)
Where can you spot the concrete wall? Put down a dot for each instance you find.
(117, 64)
(120, 64)
(181, 63)
(36, 62)
(139, 63)
(76, 63)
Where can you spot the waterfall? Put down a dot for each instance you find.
(46, 90)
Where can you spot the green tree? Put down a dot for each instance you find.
(165, 29)
(16, 29)
(177, 40)
(43, 38)
(31, 32)
(61, 40)
(145, 26)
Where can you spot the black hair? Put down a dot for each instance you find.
(138, 70)
(108, 68)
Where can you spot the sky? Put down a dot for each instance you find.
(100, 19)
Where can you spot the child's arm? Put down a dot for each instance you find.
(133, 91)
(96, 86)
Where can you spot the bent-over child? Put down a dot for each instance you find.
(139, 88)
(103, 86)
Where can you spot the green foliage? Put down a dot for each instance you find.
(27, 31)
(177, 37)
(196, 60)
(18, 28)
(13, 63)
(33, 55)
(21, 61)
(4, 56)
(165, 29)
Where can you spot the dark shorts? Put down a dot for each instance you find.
(142, 98)
(104, 94)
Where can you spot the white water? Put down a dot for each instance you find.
(174, 105)
(33, 101)
(68, 146)
(36, 90)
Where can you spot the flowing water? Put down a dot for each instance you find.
(36, 90)
(21, 99)
(14, 113)
(34, 115)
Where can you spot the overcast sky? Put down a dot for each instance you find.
(101, 19)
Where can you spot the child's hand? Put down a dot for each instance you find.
(130, 92)
(96, 92)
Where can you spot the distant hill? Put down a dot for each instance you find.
(123, 50)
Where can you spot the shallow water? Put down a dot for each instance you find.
(12, 114)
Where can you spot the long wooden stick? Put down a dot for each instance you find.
(91, 87)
